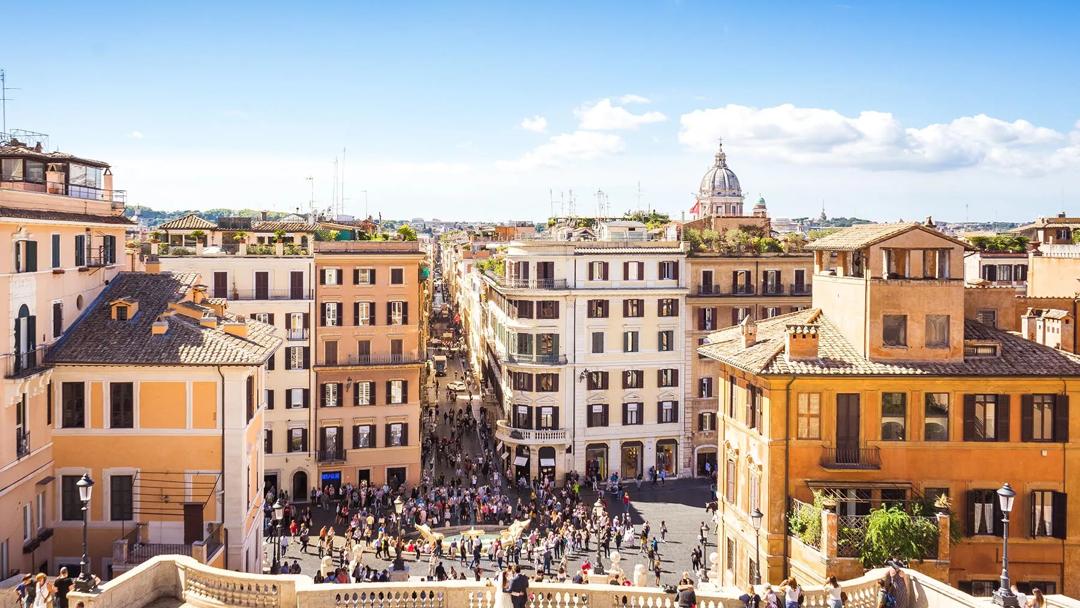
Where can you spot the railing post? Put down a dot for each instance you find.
(830, 524)
(944, 524)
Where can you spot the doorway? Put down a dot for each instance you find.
(363, 476)
(299, 486)
(193, 522)
(296, 285)
(632, 455)
(330, 478)
(547, 463)
(270, 483)
(596, 460)
(706, 463)
(847, 428)
(395, 476)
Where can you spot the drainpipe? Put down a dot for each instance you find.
(787, 474)
(225, 528)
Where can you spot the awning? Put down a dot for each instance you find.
(547, 462)
(521, 461)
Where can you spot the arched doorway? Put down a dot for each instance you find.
(667, 454)
(547, 463)
(633, 453)
(25, 331)
(596, 460)
(521, 462)
(299, 486)
(706, 462)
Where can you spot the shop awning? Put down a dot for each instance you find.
(547, 462)
(521, 461)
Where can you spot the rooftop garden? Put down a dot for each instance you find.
(744, 240)
(1001, 243)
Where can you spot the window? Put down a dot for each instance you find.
(330, 395)
(547, 383)
(58, 318)
(598, 271)
(633, 307)
(330, 314)
(363, 436)
(296, 357)
(398, 313)
(1044, 418)
(667, 377)
(1048, 514)
(633, 378)
(73, 405)
(893, 416)
(936, 264)
(894, 330)
(667, 411)
(397, 391)
(70, 505)
(772, 311)
(667, 307)
(268, 441)
(26, 256)
(364, 276)
(547, 346)
(56, 251)
(397, 276)
(22, 435)
(121, 405)
(986, 316)
(364, 393)
(705, 387)
(631, 342)
(729, 483)
(669, 271)
(753, 407)
(598, 415)
(809, 416)
(524, 309)
(27, 523)
(522, 417)
(362, 311)
(754, 489)
(981, 350)
(297, 440)
(631, 414)
(80, 252)
(732, 384)
(707, 421)
(395, 435)
(297, 397)
(598, 309)
(634, 271)
(984, 513)
(524, 344)
(739, 313)
(121, 505)
(597, 342)
(547, 419)
(937, 331)
(41, 511)
(986, 417)
(936, 426)
(597, 381)
(665, 340)
(11, 170)
(521, 381)
(330, 276)
(547, 309)
(707, 318)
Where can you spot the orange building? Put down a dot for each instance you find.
(157, 394)
(64, 227)
(884, 394)
(369, 344)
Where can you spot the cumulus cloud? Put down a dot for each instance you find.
(559, 149)
(536, 124)
(879, 141)
(631, 98)
(135, 135)
(606, 116)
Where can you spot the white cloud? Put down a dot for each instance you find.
(605, 116)
(135, 135)
(631, 98)
(576, 146)
(536, 124)
(879, 141)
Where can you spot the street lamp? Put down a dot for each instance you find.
(279, 514)
(1004, 596)
(86, 489)
(755, 517)
(399, 506)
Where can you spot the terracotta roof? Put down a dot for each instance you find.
(865, 235)
(190, 221)
(96, 338)
(64, 216)
(1018, 357)
(56, 156)
(1047, 313)
(275, 225)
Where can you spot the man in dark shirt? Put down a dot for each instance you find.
(63, 585)
(519, 589)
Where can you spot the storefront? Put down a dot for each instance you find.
(547, 463)
(706, 462)
(632, 459)
(667, 452)
(521, 462)
(596, 460)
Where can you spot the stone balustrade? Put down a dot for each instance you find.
(509, 434)
(186, 581)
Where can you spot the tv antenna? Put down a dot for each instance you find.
(3, 101)
(311, 201)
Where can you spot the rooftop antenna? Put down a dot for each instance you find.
(639, 195)
(3, 101)
(341, 192)
(334, 191)
(571, 205)
(311, 201)
(551, 203)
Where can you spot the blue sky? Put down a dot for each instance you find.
(478, 110)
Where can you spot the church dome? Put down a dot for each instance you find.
(720, 180)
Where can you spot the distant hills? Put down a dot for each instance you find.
(153, 217)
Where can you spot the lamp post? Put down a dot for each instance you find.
(279, 515)
(1004, 596)
(85, 581)
(755, 517)
(399, 506)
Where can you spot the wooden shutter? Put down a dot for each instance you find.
(270, 399)
(592, 275)
(31, 256)
(625, 413)
(1002, 420)
(322, 315)
(605, 415)
(356, 312)
(355, 396)
(371, 276)
(303, 440)
(701, 421)
(373, 395)
(405, 391)
(701, 318)
(270, 318)
(322, 276)
(405, 313)
(271, 361)
(626, 308)
(322, 395)
(626, 271)
(674, 377)
(1027, 405)
(288, 322)
(307, 357)
(340, 313)
(969, 423)
(307, 398)
(389, 312)
(355, 278)
(734, 280)
(339, 276)
(387, 431)
(969, 517)
(405, 433)
(675, 269)
(555, 418)
(307, 320)
(1060, 516)
(371, 313)
(1061, 419)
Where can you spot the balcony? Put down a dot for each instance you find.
(22, 443)
(270, 294)
(371, 361)
(516, 283)
(505, 432)
(551, 359)
(296, 334)
(21, 365)
(130, 551)
(330, 455)
(851, 458)
(717, 290)
(88, 193)
(801, 289)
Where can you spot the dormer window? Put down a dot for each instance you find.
(123, 309)
(981, 349)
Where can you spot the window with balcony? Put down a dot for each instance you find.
(547, 419)
(522, 417)
(741, 282)
(705, 387)
(669, 270)
(330, 352)
(598, 309)
(547, 309)
(632, 414)
(121, 405)
(893, 416)
(547, 346)
(667, 411)
(547, 383)
(936, 415)
(524, 343)
(633, 378)
(596, 381)
(397, 276)
(894, 330)
(771, 282)
(667, 307)
(597, 342)
(296, 325)
(73, 405)
(633, 307)
(665, 341)
(598, 415)
(121, 497)
(631, 341)
(667, 377)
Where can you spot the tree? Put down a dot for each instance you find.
(240, 236)
(199, 236)
(794, 242)
(737, 239)
(892, 532)
(819, 233)
(693, 237)
(406, 232)
(279, 236)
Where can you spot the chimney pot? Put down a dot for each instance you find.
(802, 341)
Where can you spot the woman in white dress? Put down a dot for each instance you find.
(502, 595)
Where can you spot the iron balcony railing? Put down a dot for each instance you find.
(851, 458)
(331, 454)
(270, 294)
(91, 193)
(804, 289)
(20, 365)
(296, 334)
(717, 290)
(536, 359)
(518, 283)
(360, 360)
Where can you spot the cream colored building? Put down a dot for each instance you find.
(583, 344)
(63, 228)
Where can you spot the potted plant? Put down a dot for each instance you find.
(241, 237)
(943, 504)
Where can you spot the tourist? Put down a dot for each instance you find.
(62, 583)
(835, 595)
(750, 599)
(684, 595)
(42, 591)
(792, 593)
(1037, 600)
(770, 598)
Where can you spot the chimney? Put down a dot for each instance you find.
(236, 328)
(802, 342)
(160, 326)
(198, 294)
(930, 222)
(209, 321)
(749, 331)
(1061, 215)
